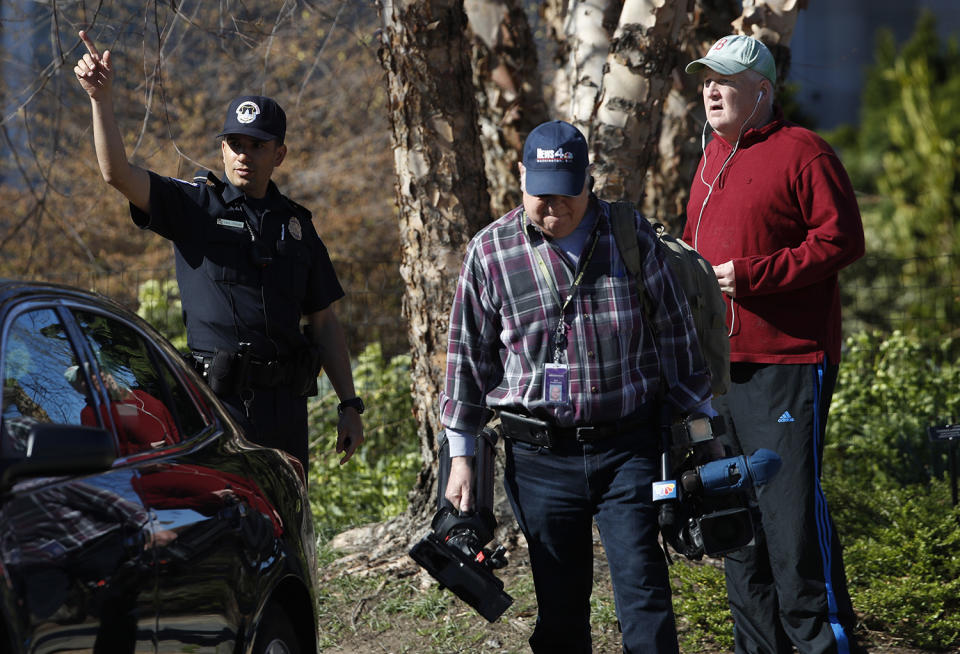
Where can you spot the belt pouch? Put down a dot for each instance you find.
(308, 363)
(526, 429)
(222, 374)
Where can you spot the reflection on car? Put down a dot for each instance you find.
(134, 515)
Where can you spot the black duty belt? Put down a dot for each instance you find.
(531, 430)
(256, 373)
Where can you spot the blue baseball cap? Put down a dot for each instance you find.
(734, 54)
(555, 159)
(257, 116)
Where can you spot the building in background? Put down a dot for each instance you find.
(833, 44)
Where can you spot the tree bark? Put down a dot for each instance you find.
(636, 81)
(509, 92)
(584, 41)
(678, 150)
(771, 21)
(441, 191)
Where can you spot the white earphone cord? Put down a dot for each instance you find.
(703, 149)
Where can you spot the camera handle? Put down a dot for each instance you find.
(666, 491)
(483, 469)
(666, 440)
(453, 552)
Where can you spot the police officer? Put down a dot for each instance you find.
(249, 264)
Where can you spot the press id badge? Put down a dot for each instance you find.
(556, 384)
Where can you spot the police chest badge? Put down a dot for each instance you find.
(294, 228)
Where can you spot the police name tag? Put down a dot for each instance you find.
(556, 384)
(236, 224)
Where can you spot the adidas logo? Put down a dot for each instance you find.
(785, 417)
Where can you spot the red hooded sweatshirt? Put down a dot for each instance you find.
(784, 211)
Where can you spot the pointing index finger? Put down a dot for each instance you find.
(87, 41)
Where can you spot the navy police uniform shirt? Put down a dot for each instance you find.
(244, 275)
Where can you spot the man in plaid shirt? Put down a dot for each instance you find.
(547, 330)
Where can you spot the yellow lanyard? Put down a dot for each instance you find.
(561, 330)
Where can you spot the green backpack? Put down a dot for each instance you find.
(695, 277)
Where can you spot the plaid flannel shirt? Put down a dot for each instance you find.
(65, 518)
(505, 314)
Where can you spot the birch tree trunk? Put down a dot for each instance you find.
(678, 149)
(582, 30)
(635, 83)
(667, 185)
(441, 191)
(509, 92)
(771, 21)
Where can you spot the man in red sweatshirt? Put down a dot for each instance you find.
(772, 208)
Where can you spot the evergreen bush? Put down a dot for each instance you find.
(375, 483)
(901, 559)
(890, 389)
(887, 486)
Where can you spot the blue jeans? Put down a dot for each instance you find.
(556, 494)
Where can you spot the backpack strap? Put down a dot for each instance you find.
(623, 222)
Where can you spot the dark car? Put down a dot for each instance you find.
(134, 515)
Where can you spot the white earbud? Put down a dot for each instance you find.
(759, 97)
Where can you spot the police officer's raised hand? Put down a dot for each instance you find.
(349, 433)
(95, 74)
(93, 70)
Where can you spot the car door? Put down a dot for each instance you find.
(77, 549)
(191, 479)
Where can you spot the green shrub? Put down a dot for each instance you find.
(889, 391)
(888, 493)
(375, 483)
(900, 557)
(700, 603)
(160, 306)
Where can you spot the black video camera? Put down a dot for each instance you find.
(703, 508)
(454, 554)
(454, 551)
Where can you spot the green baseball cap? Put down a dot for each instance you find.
(734, 54)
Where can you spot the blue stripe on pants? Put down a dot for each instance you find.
(824, 525)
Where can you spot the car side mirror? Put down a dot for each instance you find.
(53, 449)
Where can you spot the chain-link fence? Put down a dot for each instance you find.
(919, 295)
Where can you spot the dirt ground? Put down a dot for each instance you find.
(367, 626)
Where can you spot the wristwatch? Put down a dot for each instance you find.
(354, 403)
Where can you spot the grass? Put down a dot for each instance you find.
(409, 613)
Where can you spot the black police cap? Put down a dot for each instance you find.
(257, 116)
